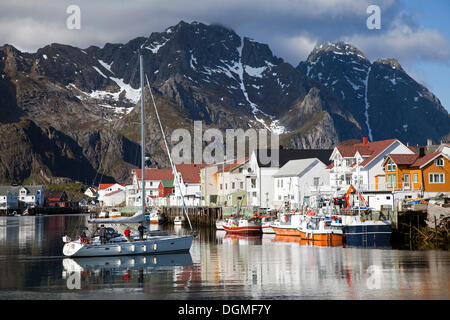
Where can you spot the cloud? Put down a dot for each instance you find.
(291, 28)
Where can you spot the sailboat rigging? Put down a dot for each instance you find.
(118, 244)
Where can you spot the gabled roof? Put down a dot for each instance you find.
(167, 183)
(189, 172)
(104, 186)
(285, 155)
(371, 150)
(115, 191)
(414, 160)
(296, 167)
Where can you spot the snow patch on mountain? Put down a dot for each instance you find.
(366, 103)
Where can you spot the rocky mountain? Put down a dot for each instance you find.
(74, 109)
(381, 96)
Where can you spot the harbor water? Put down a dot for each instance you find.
(218, 266)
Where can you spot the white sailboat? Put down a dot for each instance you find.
(119, 245)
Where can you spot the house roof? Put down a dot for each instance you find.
(285, 155)
(189, 172)
(104, 186)
(54, 194)
(296, 167)
(16, 189)
(371, 150)
(167, 183)
(235, 164)
(414, 160)
(113, 192)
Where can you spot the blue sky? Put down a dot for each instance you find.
(436, 76)
(415, 32)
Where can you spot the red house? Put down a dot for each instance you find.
(54, 198)
(165, 188)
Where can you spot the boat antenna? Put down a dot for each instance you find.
(174, 170)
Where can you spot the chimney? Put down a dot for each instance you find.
(429, 142)
(365, 141)
(421, 152)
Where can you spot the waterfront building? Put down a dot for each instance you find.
(361, 164)
(8, 198)
(299, 183)
(231, 182)
(416, 175)
(260, 173)
(189, 183)
(111, 194)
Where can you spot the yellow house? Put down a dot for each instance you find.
(429, 173)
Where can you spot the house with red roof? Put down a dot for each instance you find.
(189, 182)
(361, 164)
(111, 194)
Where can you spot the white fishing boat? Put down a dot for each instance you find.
(114, 244)
(243, 226)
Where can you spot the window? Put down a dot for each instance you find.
(388, 180)
(226, 186)
(391, 166)
(316, 181)
(241, 185)
(440, 162)
(415, 178)
(233, 185)
(281, 183)
(436, 178)
(221, 187)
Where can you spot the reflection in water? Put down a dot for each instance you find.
(219, 266)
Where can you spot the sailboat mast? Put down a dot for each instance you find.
(141, 63)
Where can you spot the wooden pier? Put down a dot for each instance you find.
(199, 216)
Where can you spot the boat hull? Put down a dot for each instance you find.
(153, 245)
(243, 230)
(377, 235)
(286, 231)
(324, 238)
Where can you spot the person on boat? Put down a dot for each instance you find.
(141, 229)
(83, 237)
(102, 234)
(127, 233)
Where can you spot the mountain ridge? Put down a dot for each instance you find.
(211, 74)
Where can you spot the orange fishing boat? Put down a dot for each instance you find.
(318, 230)
(287, 225)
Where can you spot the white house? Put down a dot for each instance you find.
(189, 186)
(109, 195)
(360, 164)
(113, 198)
(298, 182)
(32, 195)
(260, 173)
(91, 192)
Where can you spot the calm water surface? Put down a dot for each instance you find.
(218, 266)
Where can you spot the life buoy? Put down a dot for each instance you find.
(286, 218)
